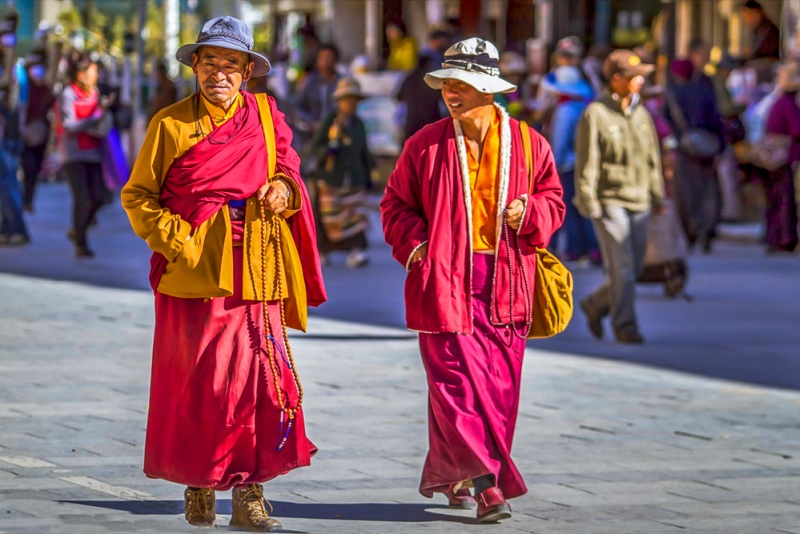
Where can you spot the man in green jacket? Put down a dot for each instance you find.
(617, 181)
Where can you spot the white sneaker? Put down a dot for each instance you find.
(356, 259)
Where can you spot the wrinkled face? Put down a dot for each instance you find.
(461, 98)
(220, 72)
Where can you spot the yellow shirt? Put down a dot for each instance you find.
(201, 265)
(402, 54)
(483, 186)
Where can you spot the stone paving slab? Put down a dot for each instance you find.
(604, 446)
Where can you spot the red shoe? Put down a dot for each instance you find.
(462, 499)
(492, 506)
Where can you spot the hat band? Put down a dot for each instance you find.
(471, 67)
(235, 37)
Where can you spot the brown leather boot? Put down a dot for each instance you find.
(249, 512)
(200, 506)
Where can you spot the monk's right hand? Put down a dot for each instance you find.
(420, 253)
(273, 196)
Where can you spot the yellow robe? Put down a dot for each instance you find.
(483, 187)
(201, 265)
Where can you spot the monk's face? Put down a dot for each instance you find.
(462, 99)
(220, 73)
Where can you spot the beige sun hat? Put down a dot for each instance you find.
(347, 87)
(473, 61)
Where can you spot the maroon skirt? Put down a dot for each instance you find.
(474, 387)
(214, 420)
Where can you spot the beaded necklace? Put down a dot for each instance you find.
(288, 412)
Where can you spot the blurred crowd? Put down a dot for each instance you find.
(722, 125)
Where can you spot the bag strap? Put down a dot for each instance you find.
(526, 145)
(676, 111)
(265, 113)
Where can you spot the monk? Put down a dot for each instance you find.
(464, 213)
(217, 195)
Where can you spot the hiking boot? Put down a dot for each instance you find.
(492, 506)
(461, 498)
(594, 321)
(249, 512)
(200, 506)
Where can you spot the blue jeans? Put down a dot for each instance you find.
(11, 220)
(581, 239)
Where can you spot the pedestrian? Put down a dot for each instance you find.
(784, 119)
(343, 176)
(217, 195)
(461, 214)
(617, 181)
(166, 92)
(766, 35)
(13, 230)
(84, 119)
(568, 52)
(423, 106)
(314, 101)
(36, 125)
(728, 173)
(692, 107)
(402, 47)
(574, 94)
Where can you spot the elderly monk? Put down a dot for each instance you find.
(216, 194)
(464, 213)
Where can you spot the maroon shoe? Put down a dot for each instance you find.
(492, 506)
(462, 499)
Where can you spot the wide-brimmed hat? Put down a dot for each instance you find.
(788, 79)
(347, 87)
(473, 61)
(230, 33)
(625, 63)
(567, 80)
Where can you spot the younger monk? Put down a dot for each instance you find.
(464, 216)
(217, 195)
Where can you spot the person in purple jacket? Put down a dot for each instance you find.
(784, 119)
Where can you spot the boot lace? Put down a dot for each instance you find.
(254, 500)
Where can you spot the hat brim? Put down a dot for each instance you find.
(642, 69)
(343, 94)
(261, 67)
(482, 82)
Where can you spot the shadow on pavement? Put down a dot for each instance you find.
(381, 512)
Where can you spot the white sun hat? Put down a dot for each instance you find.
(473, 61)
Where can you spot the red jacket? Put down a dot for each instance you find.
(426, 199)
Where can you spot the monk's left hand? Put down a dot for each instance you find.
(273, 195)
(514, 212)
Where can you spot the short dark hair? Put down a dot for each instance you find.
(439, 34)
(78, 62)
(755, 5)
(329, 46)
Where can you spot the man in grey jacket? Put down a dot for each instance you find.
(618, 180)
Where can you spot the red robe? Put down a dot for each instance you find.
(214, 420)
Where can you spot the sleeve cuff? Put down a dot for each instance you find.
(411, 255)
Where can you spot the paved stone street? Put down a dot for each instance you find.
(610, 439)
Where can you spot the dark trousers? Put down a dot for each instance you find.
(86, 182)
(581, 238)
(11, 220)
(699, 198)
(32, 160)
